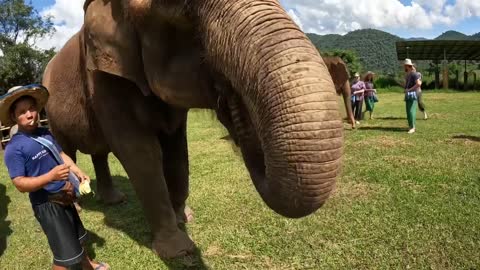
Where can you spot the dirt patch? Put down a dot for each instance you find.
(355, 190)
(240, 256)
(397, 161)
(384, 142)
(411, 185)
(213, 250)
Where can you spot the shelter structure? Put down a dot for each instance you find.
(440, 51)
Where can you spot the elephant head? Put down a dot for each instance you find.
(340, 76)
(248, 61)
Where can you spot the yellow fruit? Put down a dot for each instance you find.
(85, 188)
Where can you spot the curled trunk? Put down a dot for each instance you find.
(284, 108)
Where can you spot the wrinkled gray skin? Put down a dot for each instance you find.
(340, 76)
(125, 82)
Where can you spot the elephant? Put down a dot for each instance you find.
(340, 76)
(126, 80)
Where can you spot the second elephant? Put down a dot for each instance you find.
(341, 79)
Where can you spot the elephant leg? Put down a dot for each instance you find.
(175, 164)
(72, 153)
(105, 189)
(136, 145)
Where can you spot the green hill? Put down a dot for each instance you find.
(476, 36)
(375, 48)
(452, 35)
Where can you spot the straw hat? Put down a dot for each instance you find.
(36, 91)
(370, 72)
(408, 62)
(356, 74)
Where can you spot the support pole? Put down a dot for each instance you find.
(437, 75)
(465, 77)
(445, 70)
(457, 79)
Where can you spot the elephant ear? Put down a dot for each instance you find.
(85, 5)
(338, 71)
(112, 45)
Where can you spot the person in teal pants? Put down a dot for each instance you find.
(412, 83)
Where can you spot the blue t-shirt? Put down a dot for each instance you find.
(26, 157)
(412, 78)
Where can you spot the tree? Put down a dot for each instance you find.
(21, 61)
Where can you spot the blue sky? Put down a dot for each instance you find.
(41, 4)
(404, 18)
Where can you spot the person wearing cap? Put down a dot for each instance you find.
(412, 82)
(358, 89)
(370, 93)
(34, 168)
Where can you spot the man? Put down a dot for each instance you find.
(34, 168)
(412, 83)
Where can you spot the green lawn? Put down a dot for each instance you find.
(403, 201)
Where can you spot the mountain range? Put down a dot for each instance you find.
(375, 48)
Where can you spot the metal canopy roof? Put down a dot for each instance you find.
(438, 49)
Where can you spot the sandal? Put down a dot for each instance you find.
(102, 266)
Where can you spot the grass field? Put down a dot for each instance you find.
(403, 202)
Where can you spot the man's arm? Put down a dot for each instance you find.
(417, 84)
(75, 169)
(30, 184)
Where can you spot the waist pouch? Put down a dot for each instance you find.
(61, 198)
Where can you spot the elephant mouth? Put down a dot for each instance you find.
(233, 114)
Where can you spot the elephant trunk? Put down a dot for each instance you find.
(347, 95)
(284, 109)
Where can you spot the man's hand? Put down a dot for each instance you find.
(59, 173)
(82, 177)
(69, 190)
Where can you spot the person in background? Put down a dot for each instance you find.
(358, 90)
(412, 83)
(421, 104)
(370, 93)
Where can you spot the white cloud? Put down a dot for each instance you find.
(295, 18)
(68, 19)
(316, 16)
(342, 16)
(463, 9)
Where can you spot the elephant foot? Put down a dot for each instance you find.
(111, 196)
(176, 245)
(184, 215)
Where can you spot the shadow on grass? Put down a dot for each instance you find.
(467, 137)
(226, 138)
(129, 218)
(391, 118)
(93, 238)
(5, 230)
(391, 129)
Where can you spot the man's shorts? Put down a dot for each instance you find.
(64, 230)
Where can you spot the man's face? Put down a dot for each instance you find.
(407, 68)
(26, 114)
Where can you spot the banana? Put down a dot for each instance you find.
(85, 188)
